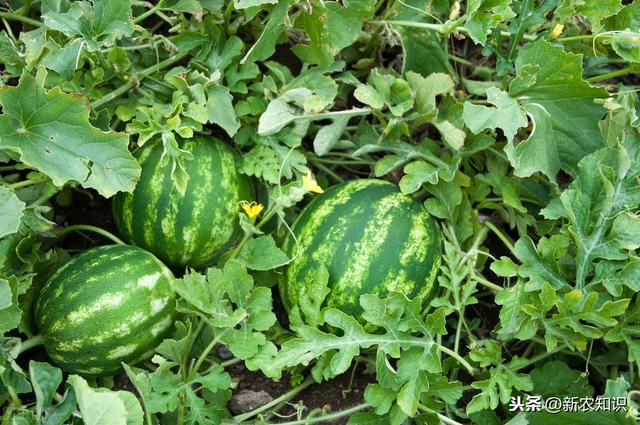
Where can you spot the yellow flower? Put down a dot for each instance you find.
(557, 30)
(309, 183)
(252, 209)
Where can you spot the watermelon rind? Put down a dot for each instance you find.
(371, 238)
(193, 228)
(108, 305)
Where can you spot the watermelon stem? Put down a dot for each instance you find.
(196, 366)
(486, 283)
(501, 236)
(458, 357)
(330, 417)
(80, 227)
(283, 398)
(30, 343)
(326, 169)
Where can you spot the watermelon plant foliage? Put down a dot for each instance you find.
(511, 124)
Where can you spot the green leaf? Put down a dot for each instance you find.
(61, 412)
(265, 45)
(329, 135)
(56, 6)
(261, 253)
(9, 56)
(625, 231)
(224, 53)
(426, 90)
(244, 4)
(228, 301)
(45, 380)
(594, 11)
(367, 419)
(220, 109)
(34, 43)
(537, 268)
(311, 301)
(628, 18)
(416, 174)
(100, 22)
(489, 353)
(331, 26)
(400, 319)
(262, 162)
(10, 313)
(423, 52)
(513, 321)
(11, 212)
(498, 388)
(282, 111)
(556, 379)
(100, 406)
(447, 196)
(165, 386)
(506, 115)
(594, 206)
(484, 15)
(625, 44)
(369, 96)
(189, 6)
(550, 88)
(452, 135)
(64, 60)
(50, 131)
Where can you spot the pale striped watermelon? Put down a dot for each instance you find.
(107, 305)
(371, 238)
(191, 229)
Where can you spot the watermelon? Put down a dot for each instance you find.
(192, 228)
(108, 305)
(370, 238)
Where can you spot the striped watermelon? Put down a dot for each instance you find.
(371, 238)
(108, 305)
(191, 229)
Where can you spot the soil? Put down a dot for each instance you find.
(343, 392)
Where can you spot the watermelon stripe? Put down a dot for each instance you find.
(371, 238)
(191, 229)
(107, 305)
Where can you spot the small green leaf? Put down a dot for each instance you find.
(266, 43)
(45, 380)
(556, 379)
(426, 90)
(484, 15)
(331, 26)
(417, 173)
(64, 60)
(11, 212)
(329, 135)
(261, 253)
(100, 406)
(244, 4)
(220, 109)
(11, 313)
(100, 22)
(369, 96)
(506, 115)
